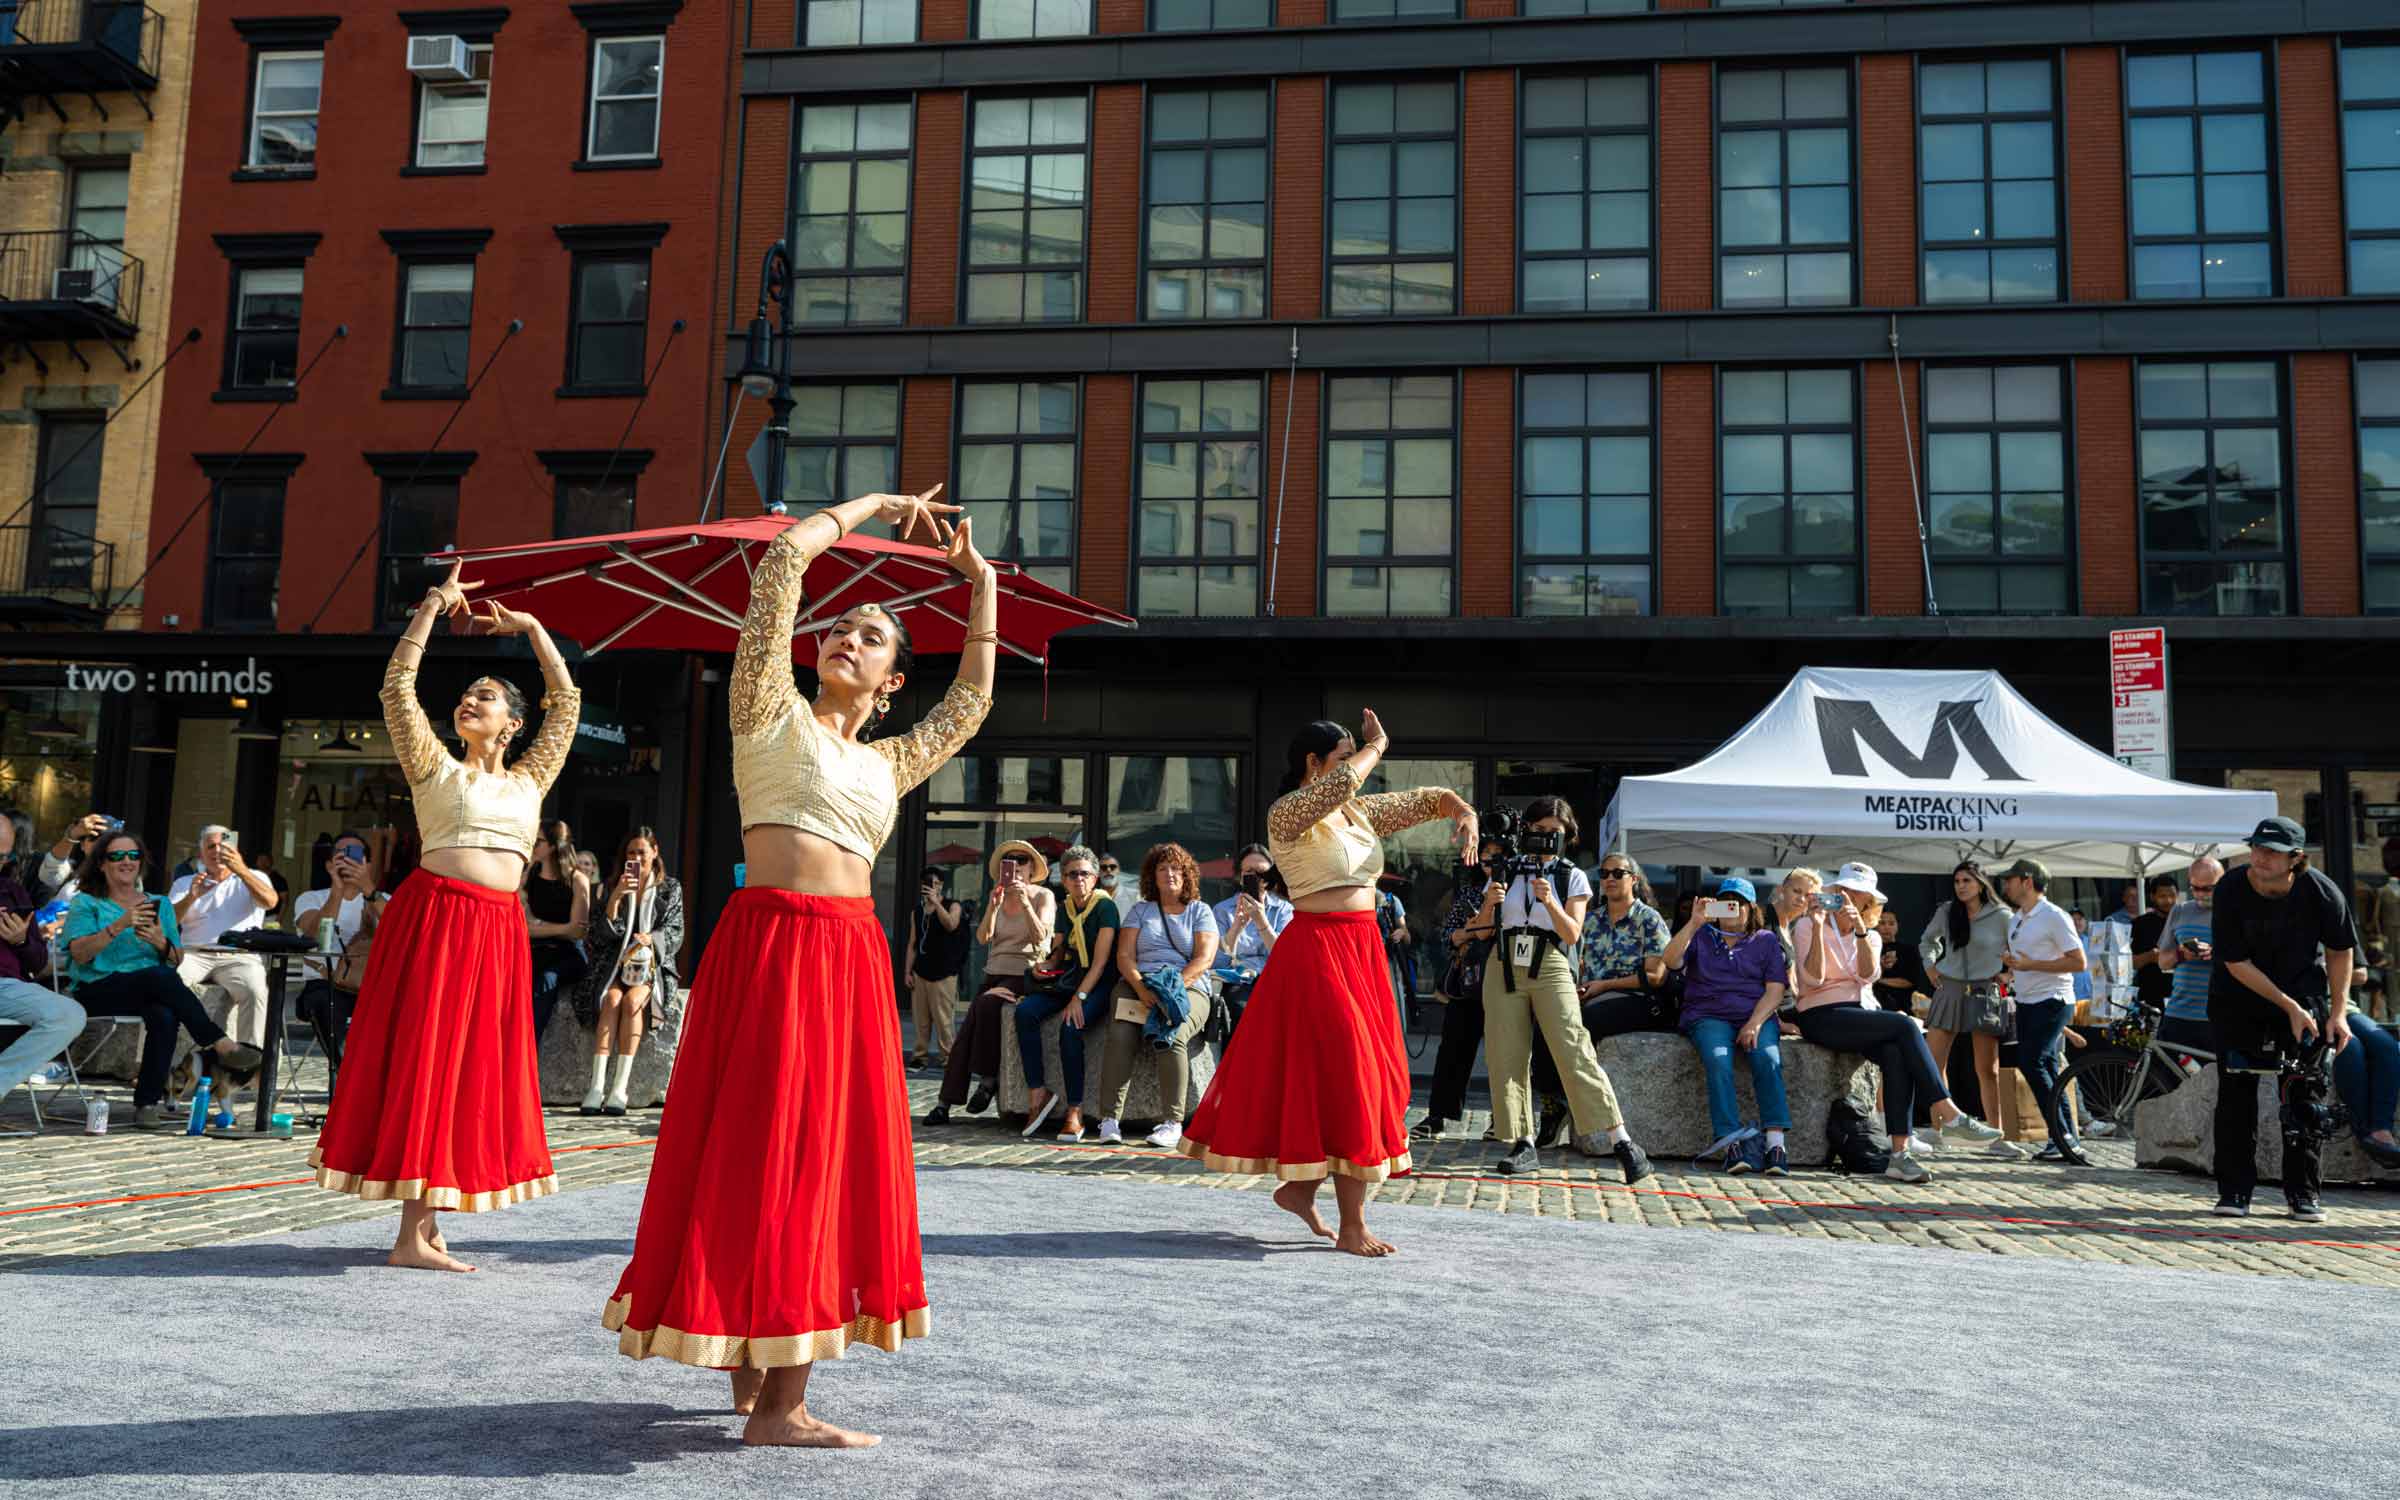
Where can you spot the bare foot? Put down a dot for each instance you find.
(425, 1257)
(746, 1384)
(1355, 1239)
(1301, 1198)
(800, 1430)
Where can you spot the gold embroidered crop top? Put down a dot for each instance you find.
(459, 808)
(790, 770)
(1326, 836)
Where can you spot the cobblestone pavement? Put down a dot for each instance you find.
(67, 1194)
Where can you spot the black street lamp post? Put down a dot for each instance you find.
(770, 379)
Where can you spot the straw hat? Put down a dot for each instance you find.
(1041, 866)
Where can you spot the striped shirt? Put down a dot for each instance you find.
(2188, 1000)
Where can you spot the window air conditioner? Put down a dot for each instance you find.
(440, 59)
(77, 284)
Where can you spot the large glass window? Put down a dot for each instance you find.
(245, 554)
(265, 349)
(850, 225)
(855, 23)
(2213, 524)
(1584, 512)
(605, 347)
(1196, 533)
(1996, 484)
(1395, 199)
(1783, 187)
(1423, 861)
(437, 301)
(66, 522)
(1586, 190)
(1210, 15)
(284, 99)
(845, 441)
(453, 118)
(420, 517)
(2196, 151)
(1192, 800)
(2379, 483)
(628, 77)
(1787, 472)
(1025, 211)
(1016, 472)
(1206, 243)
(999, 20)
(976, 803)
(1391, 478)
(1988, 157)
(2371, 166)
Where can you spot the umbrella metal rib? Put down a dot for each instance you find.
(656, 604)
(719, 611)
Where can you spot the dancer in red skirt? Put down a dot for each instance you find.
(440, 1099)
(780, 1224)
(1316, 1079)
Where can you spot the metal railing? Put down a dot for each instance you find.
(129, 31)
(41, 560)
(71, 267)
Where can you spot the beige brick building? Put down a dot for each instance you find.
(92, 111)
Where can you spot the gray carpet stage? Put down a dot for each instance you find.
(1099, 1339)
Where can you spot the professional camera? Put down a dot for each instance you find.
(1525, 854)
(2304, 1087)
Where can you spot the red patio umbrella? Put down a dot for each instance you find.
(954, 854)
(685, 588)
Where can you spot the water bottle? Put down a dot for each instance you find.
(329, 936)
(199, 1120)
(95, 1117)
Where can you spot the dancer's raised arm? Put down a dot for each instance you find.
(916, 755)
(763, 687)
(414, 744)
(562, 701)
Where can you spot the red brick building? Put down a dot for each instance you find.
(1555, 376)
(456, 271)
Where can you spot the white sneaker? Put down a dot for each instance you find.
(2006, 1151)
(1965, 1127)
(2100, 1129)
(1111, 1134)
(1049, 1108)
(1906, 1168)
(1925, 1143)
(1166, 1135)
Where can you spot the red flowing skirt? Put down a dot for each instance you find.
(440, 1093)
(1316, 1080)
(780, 1223)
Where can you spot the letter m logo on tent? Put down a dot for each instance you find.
(1843, 722)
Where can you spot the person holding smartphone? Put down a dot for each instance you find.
(1017, 931)
(1250, 919)
(350, 901)
(938, 938)
(1733, 966)
(124, 944)
(52, 1020)
(637, 932)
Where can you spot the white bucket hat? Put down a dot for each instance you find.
(1860, 878)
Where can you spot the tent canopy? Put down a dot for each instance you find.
(1915, 771)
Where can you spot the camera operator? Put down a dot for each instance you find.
(1538, 898)
(2268, 995)
(1251, 919)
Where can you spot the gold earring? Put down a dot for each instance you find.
(883, 704)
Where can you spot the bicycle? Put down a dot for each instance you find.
(2130, 1064)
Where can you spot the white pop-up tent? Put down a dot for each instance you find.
(1915, 771)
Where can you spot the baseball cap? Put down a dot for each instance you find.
(2034, 869)
(2281, 835)
(1735, 885)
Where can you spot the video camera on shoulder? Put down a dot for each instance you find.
(1521, 847)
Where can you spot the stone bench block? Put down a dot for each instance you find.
(567, 1057)
(1660, 1088)
(2177, 1132)
(1141, 1095)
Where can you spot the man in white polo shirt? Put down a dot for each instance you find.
(224, 895)
(2043, 958)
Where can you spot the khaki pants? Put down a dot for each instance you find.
(1509, 1020)
(930, 1003)
(1124, 1044)
(242, 1008)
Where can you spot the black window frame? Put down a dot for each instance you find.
(1024, 267)
(841, 443)
(2055, 118)
(266, 35)
(1648, 130)
(1006, 546)
(800, 24)
(1529, 10)
(590, 468)
(2343, 105)
(2369, 560)
(1327, 559)
(48, 566)
(228, 471)
(975, 32)
(414, 249)
(2269, 111)
(1783, 126)
(416, 165)
(397, 475)
(1787, 557)
(245, 253)
(1396, 17)
(620, 20)
(2067, 560)
(1395, 139)
(1208, 146)
(1523, 560)
(1137, 560)
(849, 272)
(597, 244)
(2287, 553)
(1265, 22)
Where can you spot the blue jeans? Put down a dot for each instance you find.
(1039, 1007)
(2039, 1027)
(2367, 1073)
(1717, 1042)
(55, 1020)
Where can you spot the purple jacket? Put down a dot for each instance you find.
(32, 956)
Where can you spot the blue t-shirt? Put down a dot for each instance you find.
(1170, 941)
(2188, 923)
(126, 952)
(1248, 945)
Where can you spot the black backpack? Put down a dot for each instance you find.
(1850, 1144)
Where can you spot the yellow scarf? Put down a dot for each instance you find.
(1083, 949)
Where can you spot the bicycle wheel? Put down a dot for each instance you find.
(2104, 1077)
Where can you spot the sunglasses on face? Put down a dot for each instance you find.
(1108, 869)
(120, 856)
(1616, 874)
(1079, 874)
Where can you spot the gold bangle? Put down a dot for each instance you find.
(983, 635)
